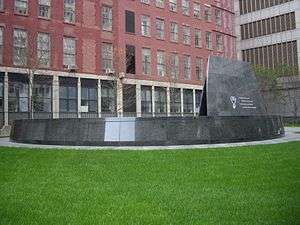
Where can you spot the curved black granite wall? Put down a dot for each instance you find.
(147, 131)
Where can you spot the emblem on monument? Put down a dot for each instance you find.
(233, 101)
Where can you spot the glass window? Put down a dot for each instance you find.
(108, 97)
(208, 40)
(199, 68)
(42, 94)
(145, 1)
(21, 6)
(185, 7)
(173, 5)
(146, 100)
(146, 61)
(18, 95)
(69, 11)
(20, 47)
(69, 51)
(89, 96)
(187, 66)
(44, 8)
(198, 42)
(145, 23)
(130, 59)
(161, 63)
(218, 15)
(186, 35)
(197, 10)
(107, 56)
(219, 42)
(107, 18)
(174, 32)
(160, 100)
(175, 101)
(43, 49)
(68, 95)
(207, 13)
(160, 3)
(188, 101)
(1, 5)
(160, 29)
(174, 65)
(129, 22)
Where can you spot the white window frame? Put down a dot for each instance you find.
(44, 4)
(21, 7)
(161, 63)
(43, 49)
(173, 5)
(197, 10)
(107, 52)
(198, 38)
(160, 29)
(186, 32)
(20, 45)
(185, 7)
(187, 70)
(146, 61)
(69, 11)
(146, 25)
(174, 32)
(69, 51)
(160, 3)
(107, 18)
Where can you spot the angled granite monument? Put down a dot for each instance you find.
(231, 110)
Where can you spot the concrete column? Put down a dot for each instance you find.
(30, 86)
(99, 98)
(6, 99)
(153, 101)
(194, 102)
(168, 102)
(79, 97)
(55, 97)
(119, 98)
(181, 100)
(138, 100)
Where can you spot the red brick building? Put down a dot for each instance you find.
(107, 57)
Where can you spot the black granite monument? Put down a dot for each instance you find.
(231, 110)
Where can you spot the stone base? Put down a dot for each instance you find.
(147, 131)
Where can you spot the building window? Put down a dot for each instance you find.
(174, 32)
(188, 101)
(173, 5)
(18, 93)
(106, 18)
(175, 101)
(198, 94)
(160, 101)
(218, 15)
(69, 11)
(43, 49)
(129, 22)
(160, 3)
(174, 65)
(219, 42)
(89, 96)
(208, 40)
(187, 66)
(197, 10)
(207, 13)
(199, 68)
(146, 26)
(44, 8)
(42, 94)
(198, 43)
(130, 59)
(1, 44)
(20, 47)
(108, 97)
(107, 56)
(185, 7)
(67, 95)
(146, 100)
(161, 63)
(145, 1)
(1, 5)
(21, 6)
(2, 93)
(186, 35)
(160, 29)
(146, 61)
(69, 51)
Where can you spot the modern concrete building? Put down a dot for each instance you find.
(97, 58)
(268, 32)
(268, 36)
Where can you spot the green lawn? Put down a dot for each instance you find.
(247, 185)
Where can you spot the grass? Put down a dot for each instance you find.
(246, 185)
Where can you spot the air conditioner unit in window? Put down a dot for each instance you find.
(71, 68)
(121, 75)
(109, 71)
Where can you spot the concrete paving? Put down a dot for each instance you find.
(291, 134)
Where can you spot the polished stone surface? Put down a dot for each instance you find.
(147, 131)
(232, 89)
